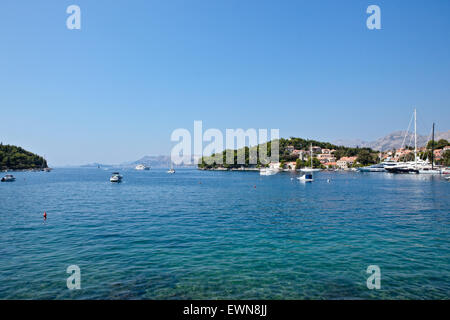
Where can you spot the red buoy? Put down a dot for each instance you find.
(45, 215)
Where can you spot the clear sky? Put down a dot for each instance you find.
(116, 89)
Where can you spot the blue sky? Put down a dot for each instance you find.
(116, 89)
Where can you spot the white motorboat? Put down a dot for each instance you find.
(142, 167)
(116, 177)
(307, 177)
(310, 169)
(267, 172)
(171, 170)
(8, 178)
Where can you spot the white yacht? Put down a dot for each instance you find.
(116, 177)
(8, 178)
(379, 167)
(171, 170)
(267, 172)
(418, 165)
(142, 167)
(310, 170)
(307, 177)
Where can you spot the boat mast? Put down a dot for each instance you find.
(415, 137)
(432, 149)
(311, 157)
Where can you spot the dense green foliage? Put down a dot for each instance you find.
(368, 156)
(437, 145)
(16, 158)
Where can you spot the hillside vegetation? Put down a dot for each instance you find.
(17, 158)
(366, 155)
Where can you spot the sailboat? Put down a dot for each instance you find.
(429, 168)
(410, 166)
(308, 176)
(310, 169)
(418, 165)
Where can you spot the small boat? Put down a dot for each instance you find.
(8, 178)
(116, 177)
(429, 170)
(171, 170)
(447, 178)
(267, 172)
(307, 177)
(310, 170)
(142, 167)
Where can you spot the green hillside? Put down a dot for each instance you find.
(16, 158)
(365, 155)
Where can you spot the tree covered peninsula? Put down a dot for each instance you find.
(297, 150)
(17, 158)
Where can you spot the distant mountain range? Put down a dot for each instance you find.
(393, 140)
(160, 161)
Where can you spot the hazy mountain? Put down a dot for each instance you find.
(160, 161)
(393, 140)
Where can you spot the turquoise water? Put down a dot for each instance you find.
(214, 235)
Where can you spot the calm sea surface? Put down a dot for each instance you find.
(224, 235)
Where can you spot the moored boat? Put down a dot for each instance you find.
(142, 167)
(8, 178)
(116, 177)
(267, 172)
(307, 177)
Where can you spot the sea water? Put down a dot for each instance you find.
(224, 235)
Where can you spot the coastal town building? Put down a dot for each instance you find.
(290, 165)
(346, 162)
(326, 157)
(316, 149)
(330, 164)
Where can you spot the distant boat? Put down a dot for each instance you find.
(8, 178)
(171, 170)
(307, 177)
(379, 167)
(310, 170)
(142, 167)
(116, 177)
(267, 172)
